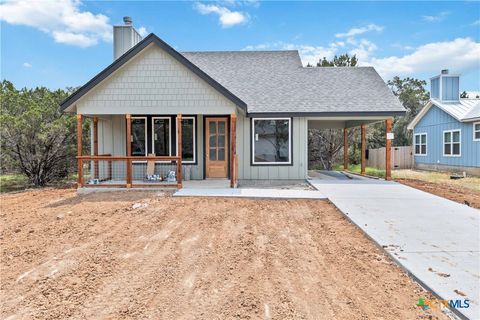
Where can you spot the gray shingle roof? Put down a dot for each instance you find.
(276, 82)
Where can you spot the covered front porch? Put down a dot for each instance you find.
(129, 151)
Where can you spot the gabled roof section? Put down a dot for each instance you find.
(151, 38)
(464, 111)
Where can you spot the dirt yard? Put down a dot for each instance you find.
(456, 193)
(144, 255)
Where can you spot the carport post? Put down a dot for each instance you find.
(79, 151)
(95, 146)
(345, 149)
(388, 150)
(128, 119)
(364, 149)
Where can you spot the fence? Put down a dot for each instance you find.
(402, 158)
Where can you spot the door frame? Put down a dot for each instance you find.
(205, 143)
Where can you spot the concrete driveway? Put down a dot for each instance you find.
(436, 240)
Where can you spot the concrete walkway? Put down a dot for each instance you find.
(436, 240)
(251, 193)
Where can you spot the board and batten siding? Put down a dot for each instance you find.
(153, 82)
(296, 171)
(434, 123)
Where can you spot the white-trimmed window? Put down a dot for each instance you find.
(420, 144)
(188, 140)
(162, 136)
(139, 136)
(452, 143)
(271, 141)
(476, 131)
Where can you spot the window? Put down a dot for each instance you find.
(420, 144)
(271, 141)
(139, 136)
(476, 131)
(188, 140)
(161, 142)
(451, 143)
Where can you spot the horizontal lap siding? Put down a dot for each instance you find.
(296, 171)
(434, 123)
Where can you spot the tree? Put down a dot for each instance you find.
(464, 94)
(343, 60)
(36, 136)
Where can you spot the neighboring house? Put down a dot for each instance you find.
(242, 115)
(446, 132)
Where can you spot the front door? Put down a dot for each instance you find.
(216, 147)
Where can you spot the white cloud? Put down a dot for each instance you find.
(459, 55)
(227, 18)
(63, 20)
(363, 49)
(476, 23)
(27, 65)
(356, 31)
(436, 18)
(143, 31)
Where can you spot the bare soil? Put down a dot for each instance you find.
(65, 255)
(455, 193)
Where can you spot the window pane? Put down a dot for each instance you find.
(271, 140)
(188, 141)
(448, 136)
(477, 135)
(221, 141)
(477, 126)
(213, 141)
(456, 148)
(424, 138)
(417, 149)
(456, 136)
(417, 139)
(213, 127)
(424, 149)
(447, 148)
(213, 154)
(138, 137)
(221, 127)
(221, 154)
(161, 137)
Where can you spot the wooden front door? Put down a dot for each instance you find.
(216, 147)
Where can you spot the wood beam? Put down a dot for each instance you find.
(128, 119)
(79, 151)
(95, 146)
(179, 150)
(364, 149)
(388, 150)
(345, 149)
(233, 150)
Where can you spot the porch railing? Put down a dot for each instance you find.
(129, 171)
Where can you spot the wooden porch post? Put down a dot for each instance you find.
(128, 119)
(179, 150)
(95, 146)
(388, 150)
(345, 149)
(233, 150)
(79, 152)
(364, 148)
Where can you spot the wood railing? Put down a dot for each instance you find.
(106, 179)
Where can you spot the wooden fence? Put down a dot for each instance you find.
(402, 158)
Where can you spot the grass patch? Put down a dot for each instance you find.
(12, 182)
(356, 168)
(472, 183)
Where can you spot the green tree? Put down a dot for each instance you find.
(343, 60)
(464, 94)
(36, 137)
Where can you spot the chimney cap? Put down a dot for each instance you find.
(127, 20)
(445, 71)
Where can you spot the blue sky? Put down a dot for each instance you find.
(65, 43)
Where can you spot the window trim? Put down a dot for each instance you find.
(194, 140)
(290, 144)
(169, 133)
(451, 143)
(473, 129)
(415, 145)
(146, 135)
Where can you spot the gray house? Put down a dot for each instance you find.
(159, 116)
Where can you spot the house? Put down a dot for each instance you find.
(446, 132)
(159, 115)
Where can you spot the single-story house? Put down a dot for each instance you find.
(446, 132)
(159, 115)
